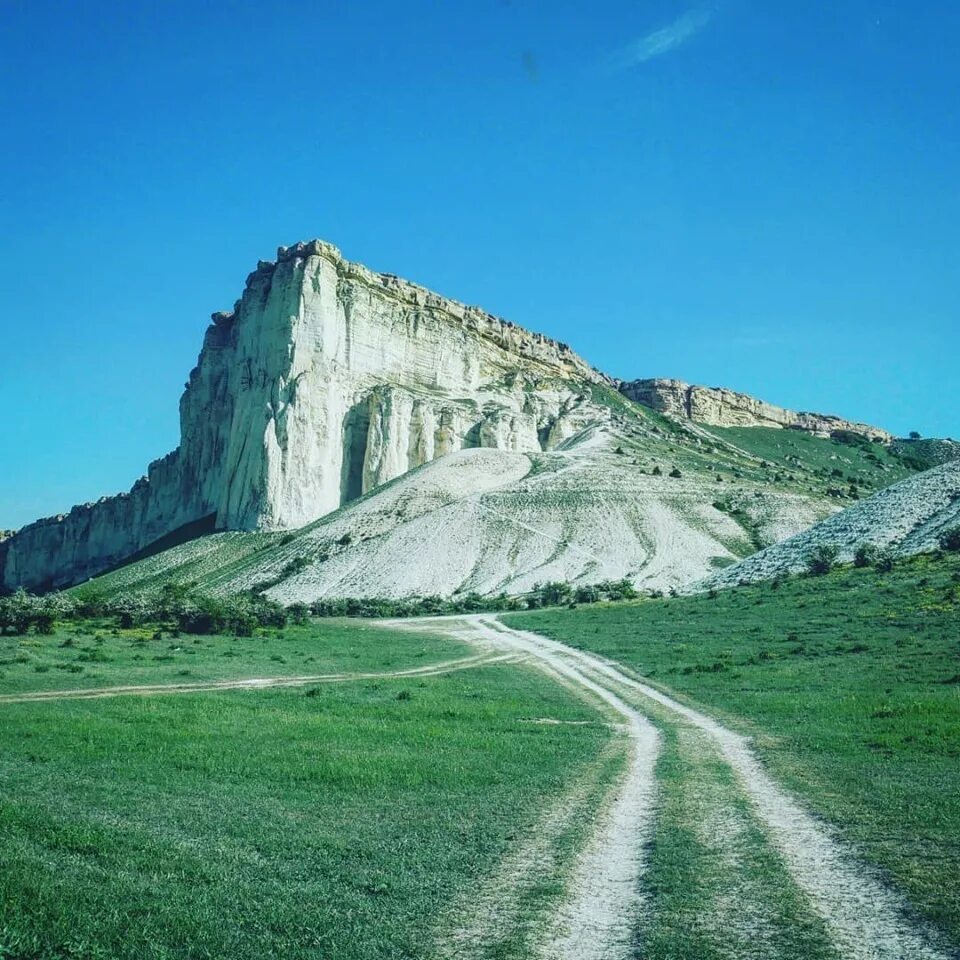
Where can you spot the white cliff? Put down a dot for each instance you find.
(325, 381)
(328, 380)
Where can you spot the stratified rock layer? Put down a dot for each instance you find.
(325, 381)
(719, 407)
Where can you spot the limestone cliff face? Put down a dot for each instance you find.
(717, 406)
(325, 381)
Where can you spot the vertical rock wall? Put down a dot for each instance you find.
(325, 381)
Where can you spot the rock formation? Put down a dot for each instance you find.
(716, 406)
(325, 381)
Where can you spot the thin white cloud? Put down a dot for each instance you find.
(658, 42)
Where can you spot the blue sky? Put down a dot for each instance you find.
(761, 196)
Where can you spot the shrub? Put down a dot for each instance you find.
(21, 611)
(850, 438)
(821, 559)
(675, 473)
(299, 613)
(865, 555)
(883, 562)
(586, 595)
(950, 539)
(617, 590)
(553, 593)
(656, 472)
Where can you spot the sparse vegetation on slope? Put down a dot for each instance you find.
(630, 493)
(912, 516)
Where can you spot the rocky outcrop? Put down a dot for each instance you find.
(325, 380)
(716, 406)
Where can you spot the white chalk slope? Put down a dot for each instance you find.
(491, 521)
(904, 519)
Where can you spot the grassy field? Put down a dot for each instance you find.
(96, 653)
(850, 685)
(335, 821)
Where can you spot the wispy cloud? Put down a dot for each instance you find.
(658, 42)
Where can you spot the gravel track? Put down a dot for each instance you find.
(865, 919)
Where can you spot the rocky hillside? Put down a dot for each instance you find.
(720, 407)
(327, 381)
(634, 494)
(903, 519)
(926, 453)
(596, 507)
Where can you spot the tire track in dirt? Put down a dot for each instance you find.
(866, 919)
(479, 924)
(599, 917)
(256, 683)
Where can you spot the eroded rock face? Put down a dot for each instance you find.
(325, 381)
(719, 407)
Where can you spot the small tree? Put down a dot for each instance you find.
(821, 559)
(914, 435)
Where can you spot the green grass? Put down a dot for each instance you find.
(719, 890)
(781, 460)
(96, 654)
(850, 684)
(339, 821)
(803, 460)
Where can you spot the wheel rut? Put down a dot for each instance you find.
(255, 683)
(601, 917)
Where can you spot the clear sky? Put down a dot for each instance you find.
(758, 195)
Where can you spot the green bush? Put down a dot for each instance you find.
(883, 562)
(20, 612)
(865, 555)
(822, 559)
(950, 539)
